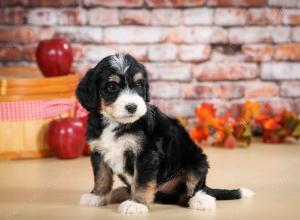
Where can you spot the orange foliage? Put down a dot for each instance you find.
(229, 131)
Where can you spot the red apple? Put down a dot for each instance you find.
(54, 57)
(66, 137)
(86, 150)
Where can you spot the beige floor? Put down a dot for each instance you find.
(50, 188)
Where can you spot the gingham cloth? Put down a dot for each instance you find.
(38, 109)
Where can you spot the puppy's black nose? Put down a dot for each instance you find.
(131, 108)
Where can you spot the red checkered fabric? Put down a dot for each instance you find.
(38, 109)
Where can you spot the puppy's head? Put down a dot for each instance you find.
(117, 87)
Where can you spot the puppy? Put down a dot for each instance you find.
(149, 151)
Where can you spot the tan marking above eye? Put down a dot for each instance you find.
(114, 78)
(138, 76)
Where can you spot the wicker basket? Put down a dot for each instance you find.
(25, 138)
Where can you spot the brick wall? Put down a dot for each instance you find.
(221, 51)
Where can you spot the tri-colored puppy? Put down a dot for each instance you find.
(150, 152)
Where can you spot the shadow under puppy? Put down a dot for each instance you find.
(149, 151)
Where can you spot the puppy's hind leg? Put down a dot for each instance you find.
(202, 197)
(195, 183)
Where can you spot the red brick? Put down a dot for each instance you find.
(279, 71)
(134, 34)
(81, 68)
(284, 3)
(165, 90)
(225, 71)
(249, 35)
(169, 71)
(138, 51)
(225, 58)
(36, 34)
(42, 16)
(260, 89)
(225, 55)
(227, 90)
(258, 53)
(280, 104)
(265, 16)
(287, 52)
(7, 34)
(174, 3)
(12, 16)
(29, 52)
(251, 3)
(230, 16)
(297, 106)
(281, 34)
(25, 34)
(295, 34)
(291, 16)
(103, 16)
(178, 107)
(81, 34)
(194, 53)
(196, 91)
(96, 53)
(72, 16)
(197, 35)
(212, 90)
(290, 89)
(78, 51)
(196, 16)
(10, 52)
(4, 3)
(50, 3)
(114, 3)
(166, 17)
(259, 35)
(133, 16)
(162, 52)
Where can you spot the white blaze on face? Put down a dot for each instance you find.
(119, 62)
(117, 109)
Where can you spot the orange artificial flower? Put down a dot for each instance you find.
(199, 133)
(273, 123)
(205, 112)
(251, 110)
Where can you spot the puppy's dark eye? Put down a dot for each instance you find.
(112, 87)
(139, 84)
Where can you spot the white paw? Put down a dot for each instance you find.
(202, 201)
(245, 192)
(132, 207)
(90, 199)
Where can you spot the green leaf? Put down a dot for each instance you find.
(245, 142)
(291, 122)
(248, 131)
(296, 132)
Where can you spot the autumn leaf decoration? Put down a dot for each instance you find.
(253, 119)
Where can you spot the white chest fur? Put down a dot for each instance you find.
(112, 148)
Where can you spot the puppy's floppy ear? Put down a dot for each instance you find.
(86, 92)
(147, 94)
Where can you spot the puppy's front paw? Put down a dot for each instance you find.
(202, 201)
(90, 199)
(132, 207)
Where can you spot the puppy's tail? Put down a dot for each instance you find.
(229, 194)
